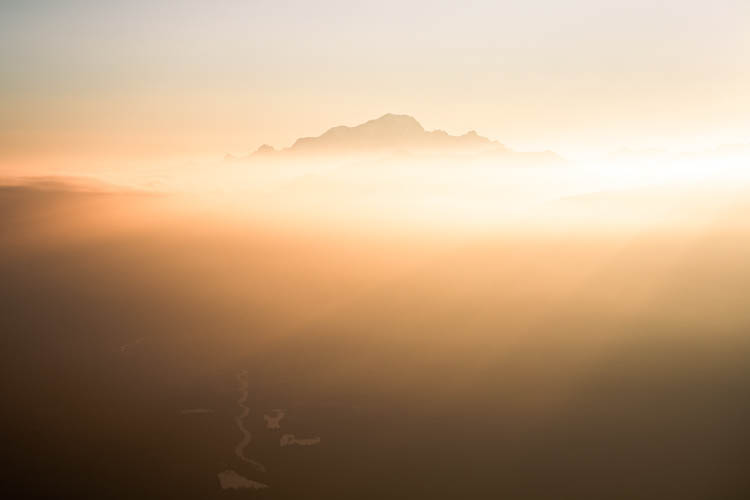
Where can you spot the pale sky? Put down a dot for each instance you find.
(204, 78)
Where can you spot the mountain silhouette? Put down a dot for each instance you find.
(389, 133)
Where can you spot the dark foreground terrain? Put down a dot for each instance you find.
(573, 364)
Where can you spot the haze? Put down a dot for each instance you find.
(327, 250)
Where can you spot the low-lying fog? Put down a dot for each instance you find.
(552, 331)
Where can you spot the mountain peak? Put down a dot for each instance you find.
(391, 120)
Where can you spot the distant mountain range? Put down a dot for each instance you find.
(393, 136)
(392, 133)
(389, 133)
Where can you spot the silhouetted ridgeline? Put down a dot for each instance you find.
(392, 133)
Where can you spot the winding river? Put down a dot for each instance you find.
(239, 449)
